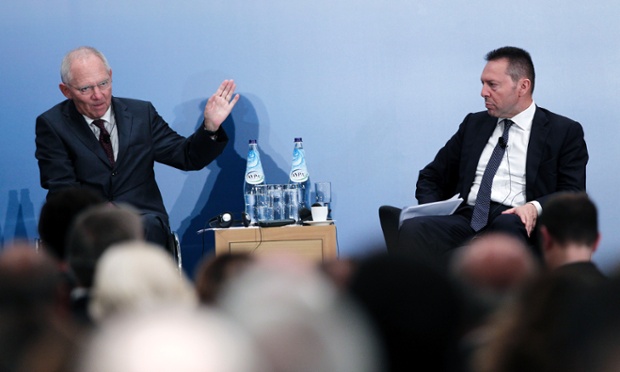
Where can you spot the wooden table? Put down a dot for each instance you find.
(314, 242)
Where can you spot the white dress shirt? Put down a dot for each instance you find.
(509, 181)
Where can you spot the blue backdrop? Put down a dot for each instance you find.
(373, 87)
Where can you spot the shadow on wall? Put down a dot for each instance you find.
(20, 221)
(223, 189)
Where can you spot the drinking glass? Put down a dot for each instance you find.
(323, 194)
(291, 202)
(264, 203)
(276, 193)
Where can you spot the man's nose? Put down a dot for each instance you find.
(96, 92)
(484, 92)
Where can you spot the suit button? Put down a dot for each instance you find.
(114, 173)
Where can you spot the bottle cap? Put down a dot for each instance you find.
(252, 141)
(297, 139)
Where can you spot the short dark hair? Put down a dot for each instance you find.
(96, 229)
(58, 213)
(571, 217)
(519, 63)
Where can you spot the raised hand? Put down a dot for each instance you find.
(220, 105)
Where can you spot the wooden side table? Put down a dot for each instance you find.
(314, 242)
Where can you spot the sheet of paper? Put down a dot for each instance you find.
(439, 208)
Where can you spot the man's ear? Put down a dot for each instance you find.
(65, 90)
(524, 86)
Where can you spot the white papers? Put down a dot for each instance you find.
(439, 208)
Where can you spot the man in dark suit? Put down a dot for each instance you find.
(540, 153)
(110, 144)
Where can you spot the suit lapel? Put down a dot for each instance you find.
(77, 124)
(535, 149)
(124, 123)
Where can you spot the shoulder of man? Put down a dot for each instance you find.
(58, 108)
(474, 121)
(477, 117)
(553, 117)
(130, 102)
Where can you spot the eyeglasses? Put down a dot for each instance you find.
(103, 86)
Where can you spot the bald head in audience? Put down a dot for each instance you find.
(492, 269)
(495, 261)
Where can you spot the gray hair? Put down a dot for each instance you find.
(81, 52)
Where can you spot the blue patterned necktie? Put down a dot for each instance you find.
(480, 216)
(104, 140)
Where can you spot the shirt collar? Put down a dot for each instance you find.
(523, 119)
(107, 117)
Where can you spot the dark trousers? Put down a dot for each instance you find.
(156, 230)
(433, 239)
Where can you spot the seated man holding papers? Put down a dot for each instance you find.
(503, 162)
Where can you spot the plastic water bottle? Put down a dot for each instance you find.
(299, 174)
(254, 176)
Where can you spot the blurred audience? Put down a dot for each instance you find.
(93, 231)
(538, 332)
(496, 311)
(137, 276)
(339, 271)
(57, 216)
(414, 310)
(569, 235)
(36, 334)
(299, 320)
(533, 333)
(490, 271)
(171, 340)
(215, 272)
(592, 335)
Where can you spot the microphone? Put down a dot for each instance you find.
(105, 138)
(305, 214)
(502, 142)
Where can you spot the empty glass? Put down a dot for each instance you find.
(276, 193)
(323, 194)
(264, 203)
(291, 202)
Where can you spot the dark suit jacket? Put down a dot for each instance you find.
(556, 158)
(70, 155)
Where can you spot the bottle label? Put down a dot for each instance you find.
(254, 177)
(299, 171)
(254, 171)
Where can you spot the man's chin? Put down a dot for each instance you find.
(99, 111)
(492, 113)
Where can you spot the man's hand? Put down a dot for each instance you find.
(219, 105)
(528, 215)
